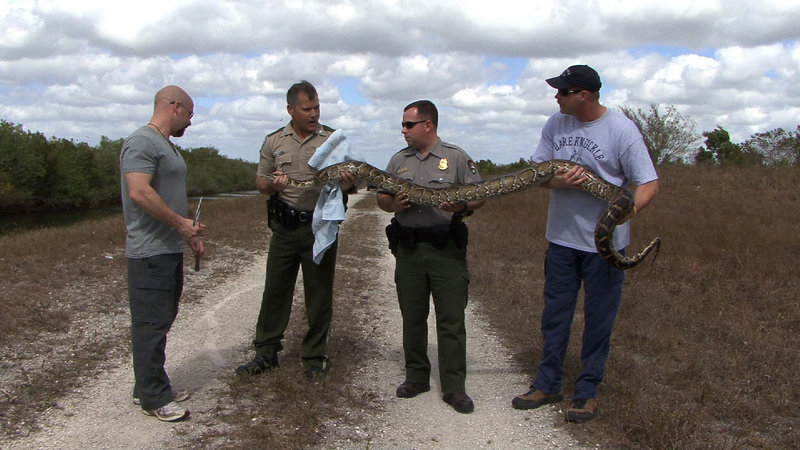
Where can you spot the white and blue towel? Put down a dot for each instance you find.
(329, 211)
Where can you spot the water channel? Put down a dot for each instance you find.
(14, 223)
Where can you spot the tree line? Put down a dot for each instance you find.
(671, 138)
(37, 173)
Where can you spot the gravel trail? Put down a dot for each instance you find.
(207, 340)
(426, 421)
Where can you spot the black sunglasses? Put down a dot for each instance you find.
(409, 124)
(567, 91)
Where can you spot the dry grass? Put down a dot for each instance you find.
(285, 409)
(53, 330)
(705, 350)
(704, 354)
(64, 309)
(64, 316)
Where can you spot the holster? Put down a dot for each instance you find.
(459, 230)
(393, 234)
(272, 209)
(280, 211)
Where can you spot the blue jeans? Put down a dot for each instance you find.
(565, 270)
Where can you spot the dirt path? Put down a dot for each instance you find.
(426, 421)
(209, 336)
(202, 346)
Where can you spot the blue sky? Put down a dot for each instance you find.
(81, 70)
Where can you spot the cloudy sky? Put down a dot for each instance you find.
(81, 69)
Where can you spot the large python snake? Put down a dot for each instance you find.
(619, 209)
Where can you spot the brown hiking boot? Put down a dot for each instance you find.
(582, 410)
(534, 399)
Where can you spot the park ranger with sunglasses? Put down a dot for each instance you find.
(430, 247)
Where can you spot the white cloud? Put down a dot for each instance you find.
(80, 70)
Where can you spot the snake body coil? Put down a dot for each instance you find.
(619, 209)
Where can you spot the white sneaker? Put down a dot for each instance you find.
(178, 395)
(168, 413)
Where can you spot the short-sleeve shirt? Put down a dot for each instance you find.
(444, 166)
(613, 148)
(283, 150)
(147, 151)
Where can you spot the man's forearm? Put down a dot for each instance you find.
(264, 186)
(645, 193)
(151, 203)
(386, 202)
(146, 198)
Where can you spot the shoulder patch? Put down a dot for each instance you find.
(276, 131)
(328, 129)
(472, 167)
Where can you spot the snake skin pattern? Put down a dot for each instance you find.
(619, 209)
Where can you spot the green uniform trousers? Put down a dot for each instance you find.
(420, 272)
(289, 249)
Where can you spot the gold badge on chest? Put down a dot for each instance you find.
(443, 164)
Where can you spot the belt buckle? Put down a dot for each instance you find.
(303, 216)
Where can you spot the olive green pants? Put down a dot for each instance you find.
(290, 248)
(443, 273)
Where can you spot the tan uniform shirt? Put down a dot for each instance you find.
(283, 150)
(445, 165)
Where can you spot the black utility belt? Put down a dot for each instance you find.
(299, 216)
(430, 234)
(285, 215)
(438, 236)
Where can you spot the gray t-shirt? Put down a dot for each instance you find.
(611, 147)
(147, 151)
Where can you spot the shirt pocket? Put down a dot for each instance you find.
(284, 161)
(405, 176)
(443, 179)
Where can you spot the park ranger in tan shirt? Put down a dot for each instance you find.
(286, 153)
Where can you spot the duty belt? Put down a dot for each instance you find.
(429, 234)
(300, 216)
(438, 236)
(286, 215)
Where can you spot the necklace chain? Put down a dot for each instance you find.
(159, 130)
(165, 137)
